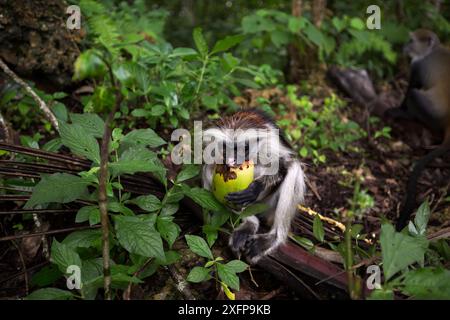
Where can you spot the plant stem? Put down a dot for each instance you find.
(202, 73)
(102, 194)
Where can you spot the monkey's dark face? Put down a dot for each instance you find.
(235, 153)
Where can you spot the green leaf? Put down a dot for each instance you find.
(183, 52)
(422, 217)
(168, 229)
(381, 294)
(50, 294)
(428, 283)
(79, 141)
(90, 122)
(227, 43)
(254, 209)
(237, 266)
(318, 230)
(199, 246)
(227, 275)
(198, 274)
(89, 65)
(400, 250)
(169, 209)
(200, 42)
(138, 159)
(157, 110)
(148, 203)
(83, 239)
(136, 237)
(143, 137)
(304, 242)
(189, 171)
(58, 187)
(84, 213)
(64, 256)
(204, 198)
(46, 276)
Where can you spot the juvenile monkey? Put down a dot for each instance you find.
(280, 189)
(427, 100)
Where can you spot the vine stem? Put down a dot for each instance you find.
(102, 194)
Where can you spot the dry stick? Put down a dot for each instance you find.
(102, 197)
(181, 284)
(42, 105)
(35, 234)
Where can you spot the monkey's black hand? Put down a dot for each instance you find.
(246, 196)
(258, 246)
(239, 239)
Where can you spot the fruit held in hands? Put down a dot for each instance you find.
(227, 180)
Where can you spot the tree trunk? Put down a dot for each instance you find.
(34, 40)
(318, 11)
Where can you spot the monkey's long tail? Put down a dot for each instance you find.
(411, 187)
(292, 191)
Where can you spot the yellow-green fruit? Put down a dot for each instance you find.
(234, 180)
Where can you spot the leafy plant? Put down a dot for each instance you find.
(224, 274)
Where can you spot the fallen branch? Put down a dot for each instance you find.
(42, 105)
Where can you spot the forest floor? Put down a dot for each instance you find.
(384, 163)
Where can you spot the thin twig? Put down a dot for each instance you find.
(42, 105)
(24, 266)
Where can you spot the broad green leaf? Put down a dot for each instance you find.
(84, 213)
(50, 294)
(400, 250)
(227, 275)
(64, 256)
(204, 198)
(199, 246)
(83, 239)
(168, 229)
(148, 203)
(318, 230)
(200, 42)
(198, 274)
(237, 266)
(46, 276)
(136, 237)
(90, 122)
(138, 159)
(169, 209)
(227, 43)
(189, 171)
(143, 137)
(58, 187)
(428, 283)
(79, 141)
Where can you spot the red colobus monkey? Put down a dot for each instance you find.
(281, 187)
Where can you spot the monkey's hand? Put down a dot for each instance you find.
(247, 196)
(259, 245)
